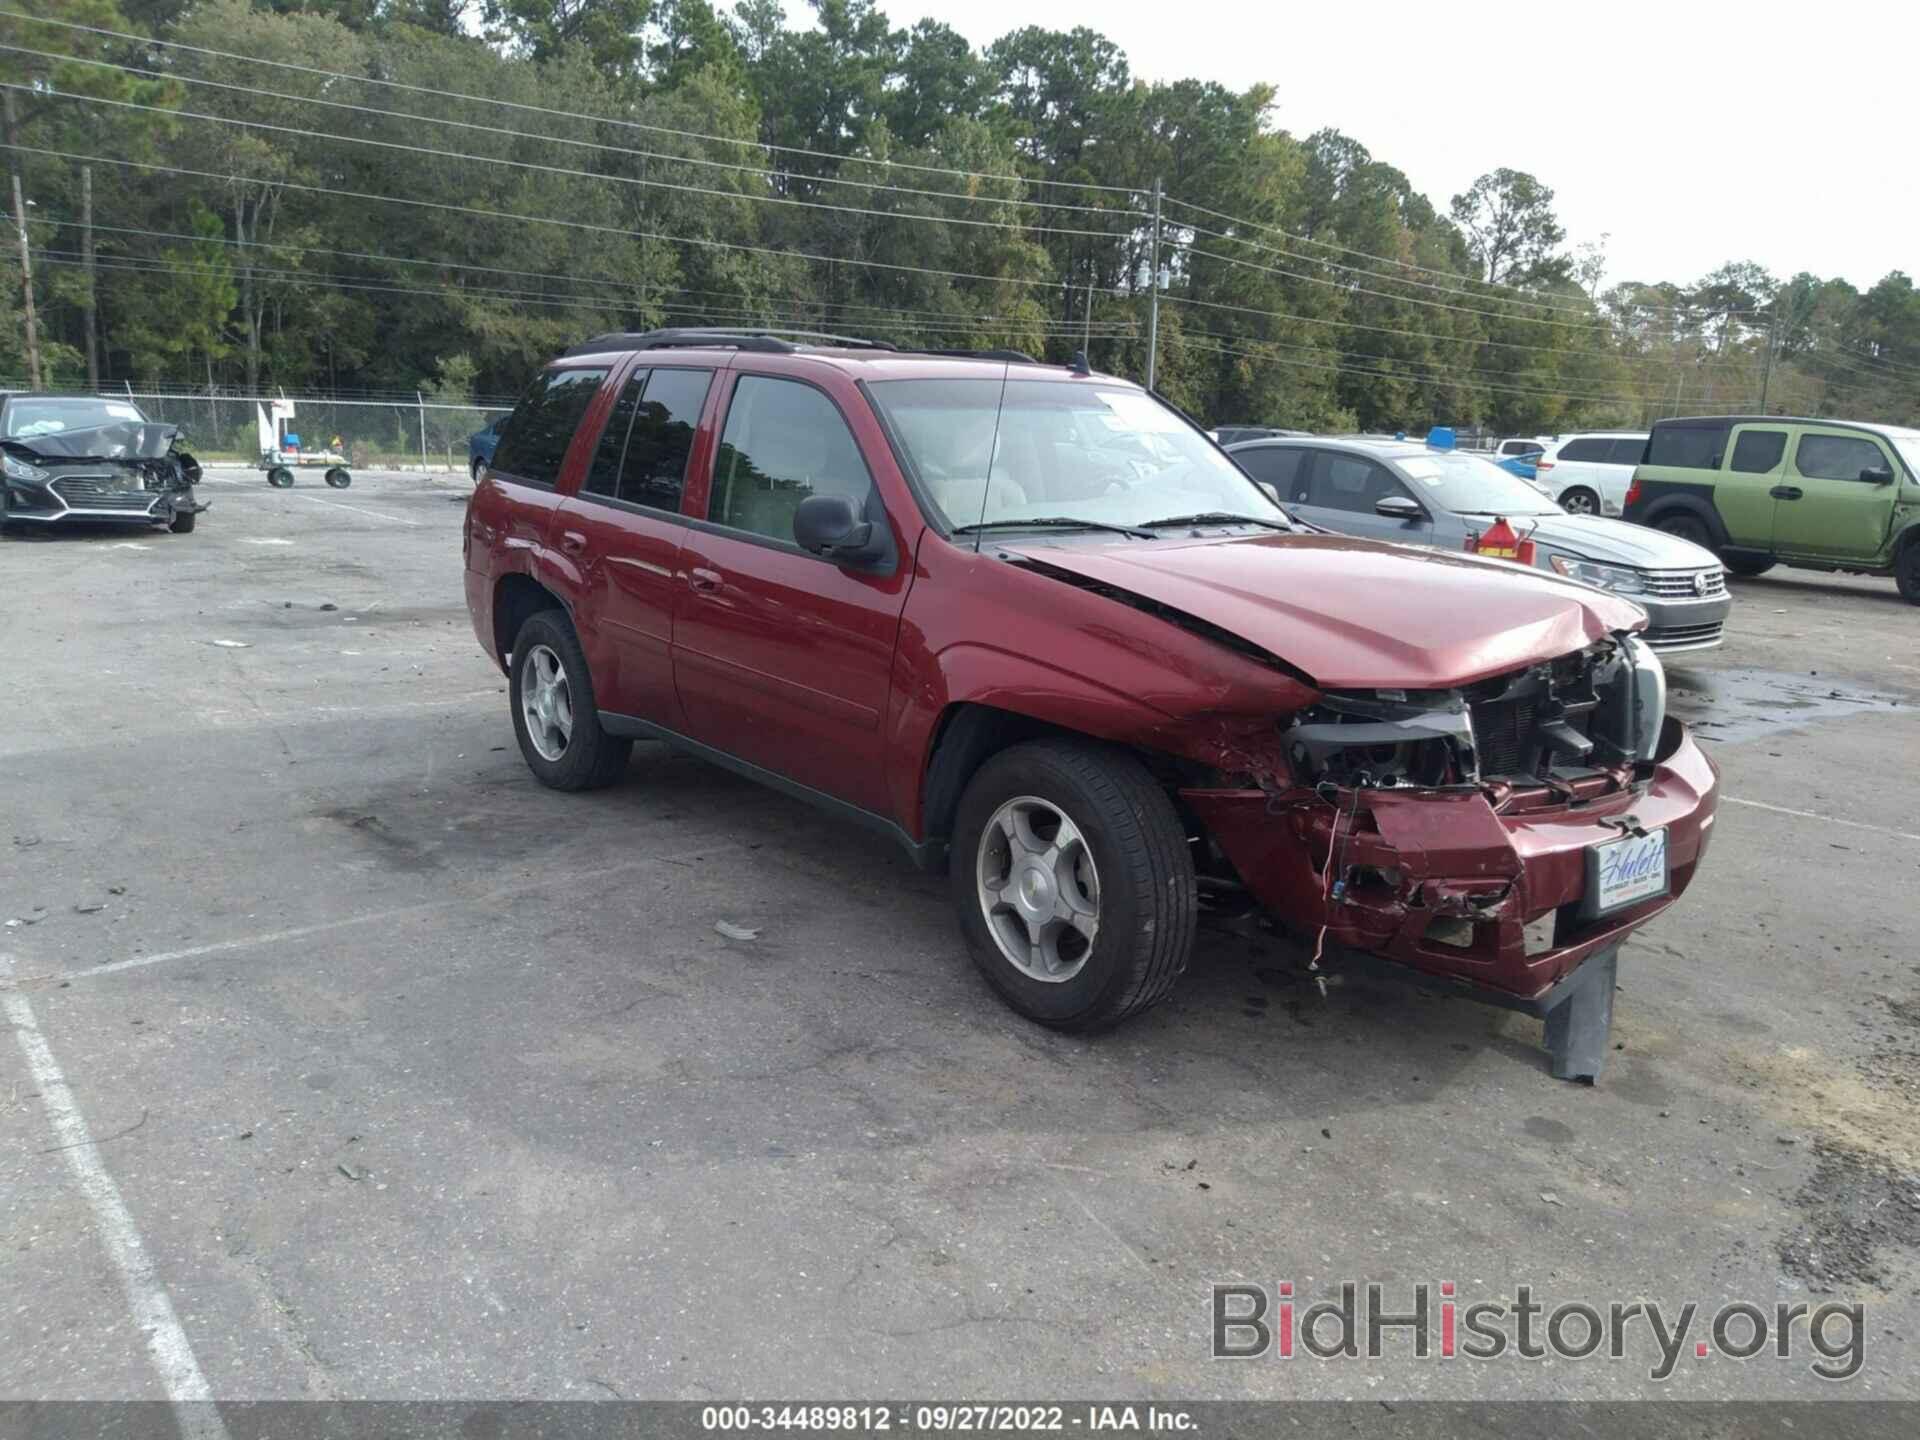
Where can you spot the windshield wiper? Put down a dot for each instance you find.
(1220, 517)
(1054, 522)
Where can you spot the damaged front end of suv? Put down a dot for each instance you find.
(124, 472)
(1504, 834)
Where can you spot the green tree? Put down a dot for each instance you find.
(1511, 229)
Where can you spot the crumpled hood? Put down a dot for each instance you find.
(124, 440)
(1358, 614)
(1615, 542)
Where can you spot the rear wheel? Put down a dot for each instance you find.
(1906, 571)
(1073, 883)
(1683, 526)
(1580, 501)
(338, 478)
(554, 717)
(280, 477)
(474, 467)
(1748, 565)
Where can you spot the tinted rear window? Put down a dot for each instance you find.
(1628, 451)
(1690, 447)
(1594, 447)
(1277, 465)
(1758, 451)
(535, 438)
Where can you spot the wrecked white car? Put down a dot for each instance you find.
(83, 458)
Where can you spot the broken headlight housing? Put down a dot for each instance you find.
(1597, 709)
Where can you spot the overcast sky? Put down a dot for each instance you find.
(1689, 133)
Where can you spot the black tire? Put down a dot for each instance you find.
(280, 477)
(591, 759)
(339, 478)
(1906, 571)
(1748, 565)
(1580, 501)
(1683, 526)
(184, 522)
(1147, 896)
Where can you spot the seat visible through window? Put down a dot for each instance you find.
(783, 442)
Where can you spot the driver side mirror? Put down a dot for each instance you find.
(1877, 474)
(1269, 489)
(830, 526)
(1399, 507)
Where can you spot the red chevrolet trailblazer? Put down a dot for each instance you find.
(1032, 623)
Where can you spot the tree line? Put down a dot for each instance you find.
(388, 195)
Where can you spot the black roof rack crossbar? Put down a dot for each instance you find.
(773, 342)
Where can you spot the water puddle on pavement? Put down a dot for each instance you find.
(1741, 704)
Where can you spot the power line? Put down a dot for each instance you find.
(931, 321)
(770, 175)
(1457, 289)
(582, 225)
(562, 114)
(1398, 299)
(563, 170)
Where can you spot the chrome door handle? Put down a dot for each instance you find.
(572, 541)
(705, 581)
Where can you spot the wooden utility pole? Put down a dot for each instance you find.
(20, 229)
(1773, 340)
(89, 298)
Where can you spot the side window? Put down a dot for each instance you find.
(1347, 482)
(534, 440)
(662, 438)
(1758, 452)
(642, 457)
(1627, 452)
(783, 442)
(1593, 447)
(1836, 457)
(603, 476)
(1688, 447)
(1275, 465)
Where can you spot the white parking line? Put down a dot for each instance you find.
(167, 1345)
(359, 510)
(426, 907)
(1829, 819)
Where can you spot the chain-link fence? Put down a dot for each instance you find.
(375, 431)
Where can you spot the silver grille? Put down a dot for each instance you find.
(1681, 584)
(100, 492)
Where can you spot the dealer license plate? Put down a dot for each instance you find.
(1626, 871)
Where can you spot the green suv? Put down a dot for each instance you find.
(1765, 490)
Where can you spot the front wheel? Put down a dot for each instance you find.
(1685, 527)
(1073, 883)
(280, 477)
(184, 522)
(338, 478)
(554, 717)
(1906, 571)
(1578, 501)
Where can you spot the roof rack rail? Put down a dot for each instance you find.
(774, 342)
(1019, 357)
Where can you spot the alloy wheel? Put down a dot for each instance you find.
(1038, 888)
(546, 702)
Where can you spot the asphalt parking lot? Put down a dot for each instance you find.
(411, 1079)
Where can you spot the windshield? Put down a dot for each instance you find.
(1470, 485)
(1107, 454)
(26, 418)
